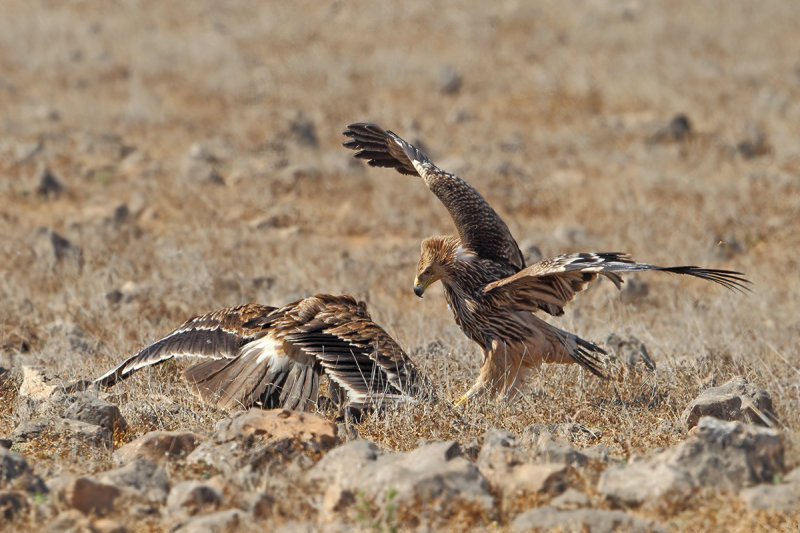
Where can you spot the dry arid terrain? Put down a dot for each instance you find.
(164, 159)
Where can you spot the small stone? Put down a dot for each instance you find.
(558, 450)
(58, 250)
(435, 474)
(779, 497)
(278, 424)
(143, 476)
(35, 383)
(678, 129)
(261, 505)
(336, 498)
(571, 499)
(49, 185)
(16, 474)
(735, 400)
(580, 520)
(70, 520)
(159, 446)
(450, 80)
(91, 497)
(223, 521)
(304, 131)
(107, 525)
(724, 455)
(91, 409)
(631, 351)
(754, 144)
(91, 434)
(12, 505)
(193, 497)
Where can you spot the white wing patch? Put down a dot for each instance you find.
(267, 347)
(464, 254)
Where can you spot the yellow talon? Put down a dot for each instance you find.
(461, 400)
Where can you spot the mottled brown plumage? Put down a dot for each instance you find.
(490, 290)
(255, 355)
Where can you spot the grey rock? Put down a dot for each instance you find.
(84, 493)
(257, 437)
(571, 499)
(71, 520)
(726, 455)
(754, 144)
(49, 185)
(12, 505)
(583, 520)
(16, 474)
(500, 452)
(221, 522)
(574, 433)
(630, 351)
(90, 434)
(260, 504)
(780, 497)
(508, 468)
(159, 446)
(304, 131)
(793, 476)
(193, 497)
(35, 384)
(735, 400)
(558, 450)
(450, 80)
(29, 430)
(142, 476)
(56, 249)
(435, 474)
(678, 129)
(91, 409)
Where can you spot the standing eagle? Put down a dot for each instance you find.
(492, 293)
(254, 355)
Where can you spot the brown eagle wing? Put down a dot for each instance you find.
(551, 283)
(481, 229)
(217, 335)
(358, 355)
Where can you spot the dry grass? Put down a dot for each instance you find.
(551, 124)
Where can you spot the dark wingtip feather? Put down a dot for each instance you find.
(730, 279)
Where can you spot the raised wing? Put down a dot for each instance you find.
(216, 335)
(551, 283)
(479, 226)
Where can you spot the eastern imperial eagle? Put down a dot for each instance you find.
(254, 355)
(492, 293)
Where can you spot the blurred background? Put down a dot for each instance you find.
(161, 159)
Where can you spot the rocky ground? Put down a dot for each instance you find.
(161, 160)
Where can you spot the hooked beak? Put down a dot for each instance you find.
(419, 288)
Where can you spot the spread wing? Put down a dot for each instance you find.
(356, 353)
(551, 283)
(217, 335)
(481, 229)
(330, 334)
(257, 355)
